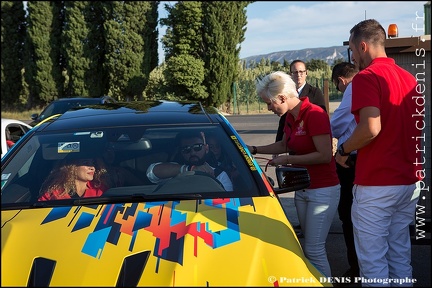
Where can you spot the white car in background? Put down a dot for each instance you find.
(11, 131)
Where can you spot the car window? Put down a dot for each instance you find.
(60, 107)
(16, 131)
(124, 155)
(12, 132)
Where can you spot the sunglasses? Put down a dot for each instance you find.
(85, 162)
(195, 147)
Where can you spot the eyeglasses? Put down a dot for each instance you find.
(300, 72)
(195, 147)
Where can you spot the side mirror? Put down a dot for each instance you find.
(291, 179)
(34, 116)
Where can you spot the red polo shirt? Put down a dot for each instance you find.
(389, 159)
(91, 191)
(312, 120)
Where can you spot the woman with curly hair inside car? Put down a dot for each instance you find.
(75, 178)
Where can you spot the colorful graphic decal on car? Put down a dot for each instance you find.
(168, 221)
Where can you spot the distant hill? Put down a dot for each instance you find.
(327, 54)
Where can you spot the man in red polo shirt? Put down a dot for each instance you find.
(386, 139)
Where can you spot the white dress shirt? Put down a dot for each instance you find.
(342, 121)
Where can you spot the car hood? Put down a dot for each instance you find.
(215, 242)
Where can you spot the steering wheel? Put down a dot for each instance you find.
(190, 182)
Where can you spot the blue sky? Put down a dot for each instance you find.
(294, 25)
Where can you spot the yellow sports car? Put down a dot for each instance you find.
(131, 194)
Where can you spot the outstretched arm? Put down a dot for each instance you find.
(157, 172)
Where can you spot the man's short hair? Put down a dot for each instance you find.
(297, 61)
(343, 69)
(190, 134)
(369, 30)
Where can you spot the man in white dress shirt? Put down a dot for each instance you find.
(342, 124)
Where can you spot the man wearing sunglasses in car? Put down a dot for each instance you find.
(193, 150)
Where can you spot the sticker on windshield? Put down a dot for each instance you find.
(4, 179)
(5, 176)
(68, 147)
(98, 134)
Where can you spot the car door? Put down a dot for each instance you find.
(13, 132)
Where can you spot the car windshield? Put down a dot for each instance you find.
(121, 163)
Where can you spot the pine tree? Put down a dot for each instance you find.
(151, 33)
(208, 34)
(124, 34)
(75, 41)
(224, 24)
(184, 71)
(40, 63)
(12, 45)
(97, 75)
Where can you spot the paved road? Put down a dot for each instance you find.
(261, 129)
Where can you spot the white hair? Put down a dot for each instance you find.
(276, 83)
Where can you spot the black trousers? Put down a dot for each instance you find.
(346, 179)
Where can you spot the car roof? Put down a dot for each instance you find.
(7, 121)
(134, 113)
(89, 99)
(77, 99)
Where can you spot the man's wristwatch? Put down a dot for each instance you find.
(341, 151)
